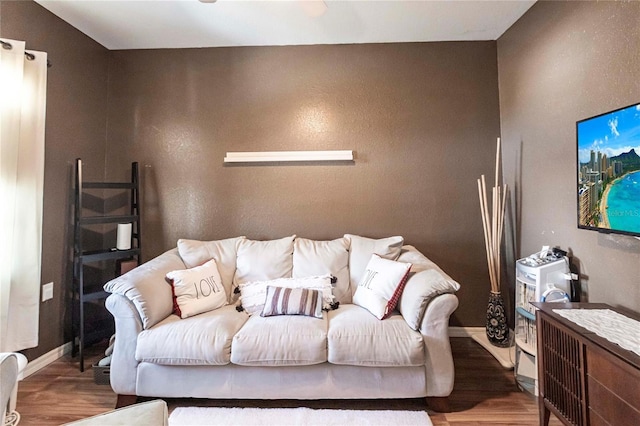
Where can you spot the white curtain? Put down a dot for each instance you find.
(23, 84)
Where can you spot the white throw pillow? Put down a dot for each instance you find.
(254, 294)
(361, 249)
(197, 290)
(195, 253)
(264, 260)
(381, 286)
(312, 258)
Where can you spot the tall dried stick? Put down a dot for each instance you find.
(482, 194)
(493, 222)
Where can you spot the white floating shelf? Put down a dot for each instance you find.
(280, 156)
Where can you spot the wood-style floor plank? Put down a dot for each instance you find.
(484, 394)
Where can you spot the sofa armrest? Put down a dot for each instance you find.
(435, 333)
(123, 369)
(8, 381)
(426, 281)
(146, 288)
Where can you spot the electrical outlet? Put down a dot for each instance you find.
(47, 291)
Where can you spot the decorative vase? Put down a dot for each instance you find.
(497, 329)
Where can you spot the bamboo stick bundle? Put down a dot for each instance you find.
(493, 222)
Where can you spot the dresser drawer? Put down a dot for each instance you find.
(613, 389)
(596, 420)
(614, 410)
(615, 375)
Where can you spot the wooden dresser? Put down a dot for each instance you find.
(583, 378)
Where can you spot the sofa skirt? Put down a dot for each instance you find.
(321, 381)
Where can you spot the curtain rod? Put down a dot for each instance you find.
(30, 56)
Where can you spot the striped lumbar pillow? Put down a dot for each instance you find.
(292, 301)
(253, 294)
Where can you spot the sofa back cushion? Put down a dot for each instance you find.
(361, 249)
(263, 260)
(195, 253)
(312, 258)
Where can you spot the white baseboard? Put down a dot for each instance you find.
(465, 331)
(46, 359)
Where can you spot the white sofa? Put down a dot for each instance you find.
(227, 354)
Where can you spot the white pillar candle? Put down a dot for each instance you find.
(123, 241)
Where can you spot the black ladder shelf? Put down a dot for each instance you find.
(86, 290)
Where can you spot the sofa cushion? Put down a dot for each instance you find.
(264, 260)
(204, 339)
(197, 290)
(425, 282)
(361, 249)
(254, 294)
(281, 340)
(324, 257)
(195, 253)
(356, 337)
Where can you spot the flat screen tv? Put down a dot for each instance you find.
(609, 171)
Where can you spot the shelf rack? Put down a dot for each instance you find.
(531, 282)
(84, 289)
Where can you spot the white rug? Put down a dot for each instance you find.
(192, 416)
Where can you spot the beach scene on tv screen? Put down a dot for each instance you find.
(609, 171)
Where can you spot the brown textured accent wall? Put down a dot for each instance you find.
(421, 117)
(76, 127)
(560, 63)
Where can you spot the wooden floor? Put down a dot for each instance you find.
(484, 394)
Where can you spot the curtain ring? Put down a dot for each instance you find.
(30, 56)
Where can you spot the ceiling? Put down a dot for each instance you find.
(155, 24)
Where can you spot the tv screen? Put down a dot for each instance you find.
(609, 171)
